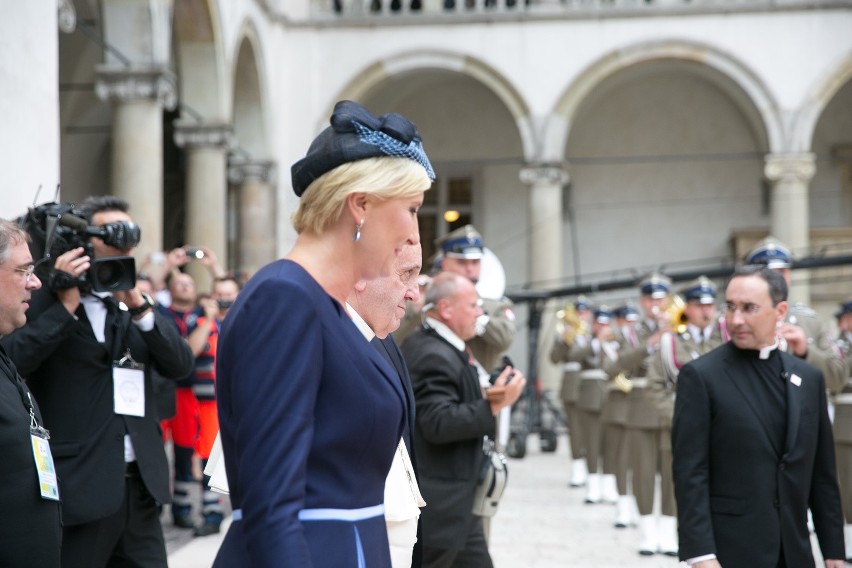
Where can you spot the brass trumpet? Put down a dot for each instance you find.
(569, 324)
(676, 314)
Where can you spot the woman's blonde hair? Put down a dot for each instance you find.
(384, 177)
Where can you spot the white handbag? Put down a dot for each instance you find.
(492, 481)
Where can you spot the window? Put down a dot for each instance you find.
(446, 206)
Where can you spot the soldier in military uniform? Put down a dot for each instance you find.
(630, 404)
(461, 252)
(591, 394)
(701, 331)
(843, 422)
(573, 329)
(806, 336)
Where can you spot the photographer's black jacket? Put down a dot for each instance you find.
(70, 374)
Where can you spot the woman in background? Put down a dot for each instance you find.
(310, 414)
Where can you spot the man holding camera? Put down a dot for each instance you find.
(87, 359)
(453, 414)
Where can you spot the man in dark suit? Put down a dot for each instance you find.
(30, 530)
(105, 435)
(752, 443)
(377, 307)
(453, 416)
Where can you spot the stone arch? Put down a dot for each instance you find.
(730, 75)
(372, 76)
(249, 107)
(199, 59)
(811, 109)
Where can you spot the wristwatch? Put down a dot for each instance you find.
(149, 303)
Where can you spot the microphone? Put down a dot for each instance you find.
(73, 222)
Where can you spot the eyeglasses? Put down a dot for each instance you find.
(28, 271)
(747, 309)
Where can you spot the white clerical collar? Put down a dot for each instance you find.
(446, 333)
(360, 323)
(765, 352)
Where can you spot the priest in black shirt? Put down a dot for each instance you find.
(752, 444)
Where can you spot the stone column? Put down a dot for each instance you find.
(789, 175)
(546, 183)
(206, 147)
(139, 96)
(256, 240)
(545, 189)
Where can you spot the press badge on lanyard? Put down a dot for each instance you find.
(128, 381)
(43, 458)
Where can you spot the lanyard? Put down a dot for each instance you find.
(26, 397)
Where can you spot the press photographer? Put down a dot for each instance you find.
(88, 361)
(58, 228)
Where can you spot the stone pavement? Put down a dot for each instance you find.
(542, 523)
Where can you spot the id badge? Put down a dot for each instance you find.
(128, 391)
(44, 466)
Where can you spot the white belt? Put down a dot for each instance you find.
(572, 366)
(350, 515)
(639, 383)
(845, 398)
(342, 514)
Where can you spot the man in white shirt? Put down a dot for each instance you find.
(454, 413)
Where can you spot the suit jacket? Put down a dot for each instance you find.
(30, 529)
(70, 374)
(389, 350)
(310, 418)
(738, 495)
(452, 418)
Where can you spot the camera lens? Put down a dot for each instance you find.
(110, 273)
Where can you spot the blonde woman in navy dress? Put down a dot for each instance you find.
(310, 414)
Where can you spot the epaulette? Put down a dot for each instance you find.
(803, 310)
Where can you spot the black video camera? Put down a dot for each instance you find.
(56, 228)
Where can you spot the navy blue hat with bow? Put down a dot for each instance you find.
(355, 134)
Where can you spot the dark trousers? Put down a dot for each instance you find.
(129, 538)
(473, 555)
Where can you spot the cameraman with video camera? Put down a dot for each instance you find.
(88, 361)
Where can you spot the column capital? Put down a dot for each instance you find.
(241, 170)
(194, 135)
(67, 16)
(125, 84)
(551, 174)
(798, 168)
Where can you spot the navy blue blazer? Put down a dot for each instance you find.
(310, 417)
(738, 495)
